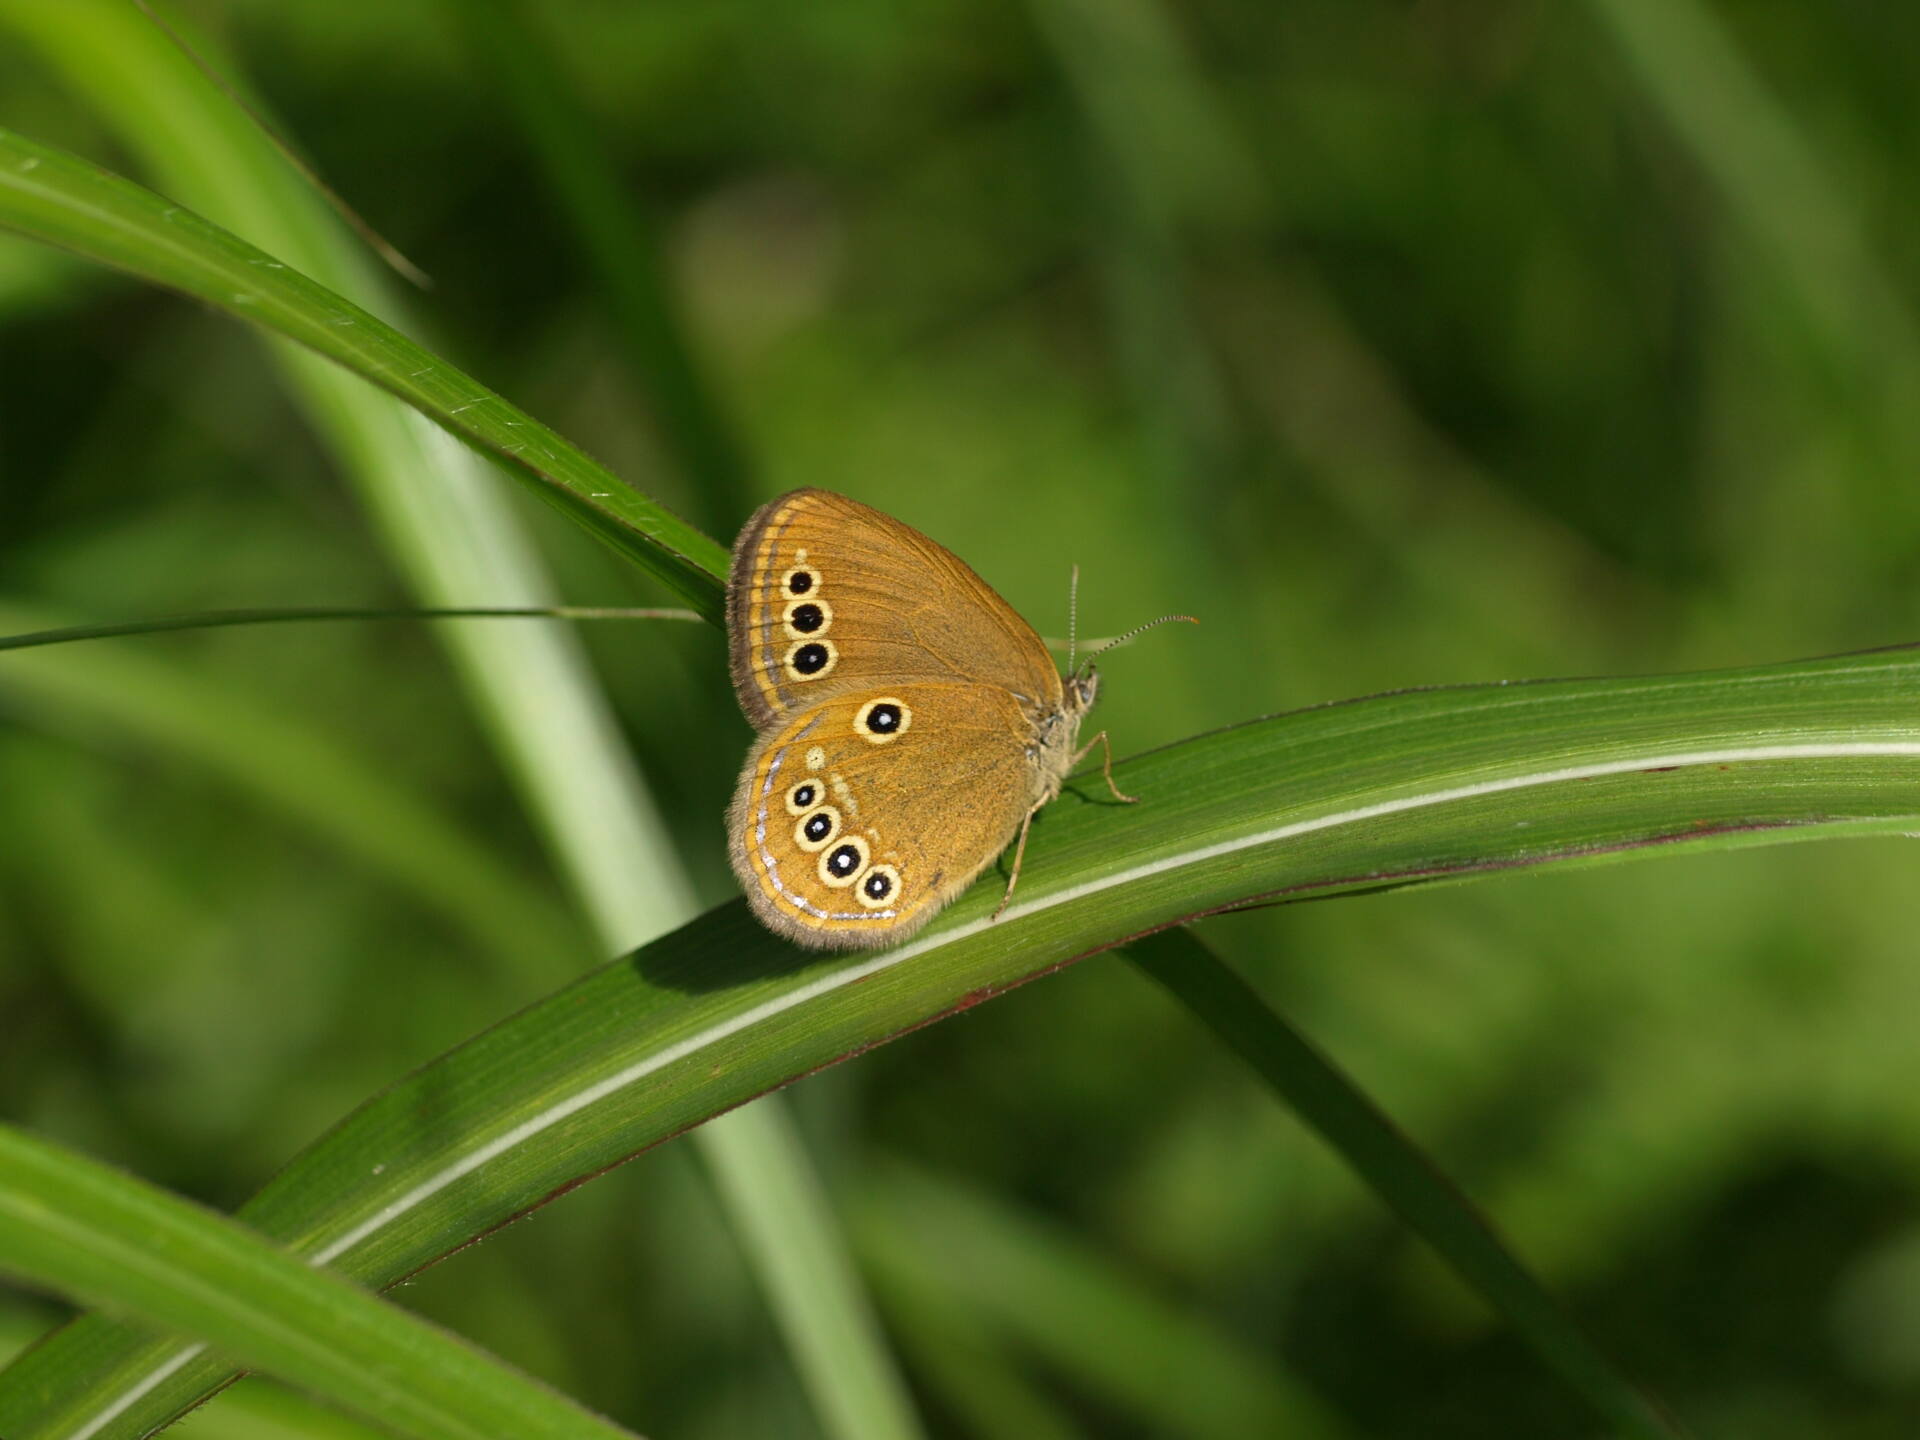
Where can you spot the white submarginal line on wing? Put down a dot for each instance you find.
(766, 624)
(770, 603)
(773, 865)
(760, 834)
(853, 974)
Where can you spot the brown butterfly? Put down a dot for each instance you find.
(910, 722)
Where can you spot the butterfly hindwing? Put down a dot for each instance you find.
(827, 594)
(858, 818)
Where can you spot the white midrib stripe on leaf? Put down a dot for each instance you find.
(838, 979)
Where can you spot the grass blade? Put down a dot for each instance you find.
(80, 1228)
(300, 614)
(1400, 789)
(52, 196)
(551, 725)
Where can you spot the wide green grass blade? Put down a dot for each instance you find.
(257, 1408)
(458, 545)
(436, 504)
(1399, 789)
(52, 196)
(1393, 1169)
(80, 1228)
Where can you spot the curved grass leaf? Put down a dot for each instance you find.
(80, 1228)
(1371, 794)
(258, 1408)
(52, 196)
(527, 683)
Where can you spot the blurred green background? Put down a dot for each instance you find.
(1405, 343)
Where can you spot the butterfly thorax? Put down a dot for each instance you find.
(1056, 734)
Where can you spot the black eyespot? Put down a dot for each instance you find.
(810, 659)
(806, 618)
(844, 861)
(877, 886)
(883, 719)
(818, 827)
(804, 794)
(799, 583)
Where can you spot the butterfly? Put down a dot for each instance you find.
(910, 722)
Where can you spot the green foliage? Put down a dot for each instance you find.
(1405, 345)
(78, 1226)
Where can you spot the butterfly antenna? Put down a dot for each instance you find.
(1073, 615)
(1140, 630)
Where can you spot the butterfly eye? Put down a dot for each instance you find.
(878, 721)
(804, 617)
(840, 865)
(813, 659)
(799, 581)
(878, 886)
(803, 797)
(817, 830)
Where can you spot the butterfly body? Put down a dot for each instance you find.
(909, 722)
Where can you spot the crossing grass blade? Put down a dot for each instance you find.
(1394, 1169)
(55, 197)
(458, 545)
(78, 1227)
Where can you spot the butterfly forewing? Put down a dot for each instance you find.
(859, 818)
(827, 595)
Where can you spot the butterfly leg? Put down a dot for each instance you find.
(1106, 769)
(1020, 846)
(1019, 852)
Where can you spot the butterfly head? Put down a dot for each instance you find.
(1081, 687)
(1082, 682)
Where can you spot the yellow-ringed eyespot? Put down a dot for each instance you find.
(806, 617)
(878, 887)
(803, 797)
(841, 866)
(880, 719)
(819, 828)
(811, 659)
(800, 580)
